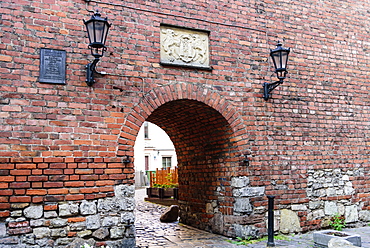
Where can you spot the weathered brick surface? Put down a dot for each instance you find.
(65, 142)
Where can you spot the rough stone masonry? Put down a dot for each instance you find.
(34, 225)
(195, 69)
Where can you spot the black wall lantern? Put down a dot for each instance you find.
(246, 160)
(280, 58)
(126, 159)
(97, 30)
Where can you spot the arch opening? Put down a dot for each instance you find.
(206, 154)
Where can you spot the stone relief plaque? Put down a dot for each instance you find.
(52, 66)
(184, 47)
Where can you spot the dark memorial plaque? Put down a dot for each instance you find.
(52, 66)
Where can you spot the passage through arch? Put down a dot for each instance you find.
(208, 144)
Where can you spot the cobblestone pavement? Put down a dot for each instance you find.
(151, 233)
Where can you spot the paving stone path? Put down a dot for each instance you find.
(151, 233)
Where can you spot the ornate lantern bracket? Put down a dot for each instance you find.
(97, 30)
(280, 59)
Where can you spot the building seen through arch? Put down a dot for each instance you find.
(153, 150)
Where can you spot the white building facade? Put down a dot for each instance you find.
(153, 150)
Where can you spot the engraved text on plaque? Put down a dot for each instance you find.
(52, 66)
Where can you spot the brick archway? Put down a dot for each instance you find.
(209, 140)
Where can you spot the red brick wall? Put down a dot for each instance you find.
(55, 137)
(46, 180)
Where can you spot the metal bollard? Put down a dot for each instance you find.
(270, 225)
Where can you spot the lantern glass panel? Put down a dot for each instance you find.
(283, 59)
(90, 31)
(100, 32)
(276, 59)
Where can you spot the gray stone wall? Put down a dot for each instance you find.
(330, 192)
(243, 192)
(107, 221)
(327, 190)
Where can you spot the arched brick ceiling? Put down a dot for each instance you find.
(197, 130)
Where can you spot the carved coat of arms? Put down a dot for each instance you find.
(184, 47)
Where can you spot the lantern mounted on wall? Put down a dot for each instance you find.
(280, 59)
(97, 31)
(126, 159)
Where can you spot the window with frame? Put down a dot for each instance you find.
(166, 162)
(146, 163)
(146, 130)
